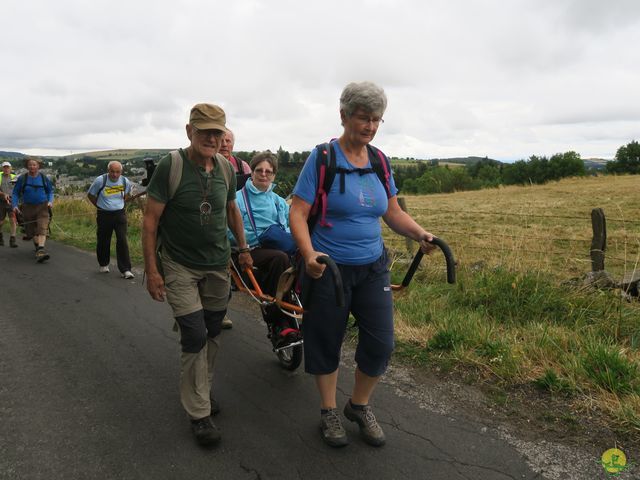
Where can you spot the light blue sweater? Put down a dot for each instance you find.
(267, 207)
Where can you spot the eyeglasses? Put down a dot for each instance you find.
(365, 119)
(208, 132)
(262, 171)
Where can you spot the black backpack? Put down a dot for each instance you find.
(327, 170)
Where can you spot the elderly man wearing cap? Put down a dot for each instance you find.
(7, 179)
(191, 202)
(243, 172)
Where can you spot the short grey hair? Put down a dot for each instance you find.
(365, 95)
(265, 156)
(114, 162)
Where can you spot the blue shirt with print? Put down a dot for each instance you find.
(111, 197)
(355, 237)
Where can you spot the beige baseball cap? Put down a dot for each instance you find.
(206, 116)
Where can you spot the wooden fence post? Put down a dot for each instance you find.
(599, 242)
(408, 242)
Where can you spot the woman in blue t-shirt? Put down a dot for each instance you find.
(349, 232)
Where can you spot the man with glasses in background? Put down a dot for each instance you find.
(191, 202)
(108, 193)
(243, 172)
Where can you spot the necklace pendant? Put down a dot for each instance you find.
(205, 208)
(205, 213)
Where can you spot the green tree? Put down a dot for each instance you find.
(627, 159)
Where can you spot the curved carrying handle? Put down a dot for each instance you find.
(337, 282)
(448, 255)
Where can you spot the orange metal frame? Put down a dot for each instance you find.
(257, 292)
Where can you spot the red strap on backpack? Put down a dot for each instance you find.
(321, 197)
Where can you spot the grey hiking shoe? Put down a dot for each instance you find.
(41, 255)
(369, 428)
(227, 323)
(332, 430)
(205, 431)
(12, 242)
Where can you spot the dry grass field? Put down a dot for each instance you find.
(546, 228)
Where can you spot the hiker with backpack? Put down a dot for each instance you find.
(7, 181)
(240, 167)
(33, 198)
(344, 188)
(191, 200)
(243, 172)
(108, 193)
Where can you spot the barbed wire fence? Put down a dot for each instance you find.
(559, 244)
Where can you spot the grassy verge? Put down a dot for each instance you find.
(512, 329)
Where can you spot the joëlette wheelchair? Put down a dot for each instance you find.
(292, 295)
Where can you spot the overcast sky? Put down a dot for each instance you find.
(504, 79)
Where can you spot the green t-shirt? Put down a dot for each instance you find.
(202, 247)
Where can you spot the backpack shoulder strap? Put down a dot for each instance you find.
(175, 172)
(325, 174)
(381, 166)
(104, 183)
(23, 185)
(227, 169)
(45, 183)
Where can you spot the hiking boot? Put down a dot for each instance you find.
(205, 431)
(128, 275)
(227, 323)
(104, 269)
(41, 255)
(1, 240)
(369, 428)
(332, 430)
(215, 406)
(12, 242)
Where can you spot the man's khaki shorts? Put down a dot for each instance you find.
(6, 210)
(190, 290)
(36, 218)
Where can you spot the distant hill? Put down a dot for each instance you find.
(11, 155)
(595, 163)
(592, 163)
(120, 154)
(464, 160)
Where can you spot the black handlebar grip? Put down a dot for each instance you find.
(448, 256)
(337, 282)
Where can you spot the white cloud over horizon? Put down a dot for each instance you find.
(491, 78)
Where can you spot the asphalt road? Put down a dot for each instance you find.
(88, 389)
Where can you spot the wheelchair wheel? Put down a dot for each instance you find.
(290, 357)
